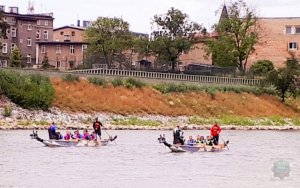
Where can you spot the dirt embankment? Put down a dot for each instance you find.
(86, 97)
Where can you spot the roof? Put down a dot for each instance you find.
(61, 43)
(31, 16)
(69, 26)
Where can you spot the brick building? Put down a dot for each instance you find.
(24, 32)
(65, 51)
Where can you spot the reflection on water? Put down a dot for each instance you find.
(137, 160)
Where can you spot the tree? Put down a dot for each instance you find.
(15, 59)
(3, 26)
(285, 79)
(174, 34)
(237, 34)
(45, 62)
(262, 67)
(108, 36)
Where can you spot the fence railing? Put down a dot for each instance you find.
(169, 76)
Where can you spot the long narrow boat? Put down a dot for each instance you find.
(194, 148)
(73, 142)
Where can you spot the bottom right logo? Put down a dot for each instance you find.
(281, 169)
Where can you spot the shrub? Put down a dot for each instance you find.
(71, 78)
(262, 67)
(28, 91)
(131, 82)
(97, 81)
(7, 111)
(212, 92)
(117, 82)
(136, 121)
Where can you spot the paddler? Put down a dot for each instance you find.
(97, 127)
(215, 131)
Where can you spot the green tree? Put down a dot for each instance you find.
(237, 34)
(173, 34)
(108, 36)
(45, 62)
(15, 59)
(262, 67)
(3, 26)
(285, 79)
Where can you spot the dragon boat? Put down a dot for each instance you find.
(72, 142)
(194, 148)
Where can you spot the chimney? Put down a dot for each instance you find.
(14, 10)
(78, 23)
(2, 8)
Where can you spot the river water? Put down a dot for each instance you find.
(137, 160)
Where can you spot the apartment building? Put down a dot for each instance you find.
(66, 50)
(24, 32)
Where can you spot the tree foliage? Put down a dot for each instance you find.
(3, 26)
(172, 35)
(262, 67)
(108, 36)
(15, 59)
(286, 80)
(45, 62)
(237, 35)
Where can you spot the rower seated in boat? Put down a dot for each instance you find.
(191, 141)
(76, 135)
(209, 141)
(86, 135)
(200, 139)
(68, 135)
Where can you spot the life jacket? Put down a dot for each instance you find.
(176, 133)
(86, 136)
(67, 137)
(97, 125)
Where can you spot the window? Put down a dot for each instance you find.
(13, 46)
(13, 32)
(3, 63)
(61, 33)
(84, 46)
(71, 64)
(46, 35)
(297, 29)
(57, 64)
(4, 48)
(13, 20)
(38, 34)
(72, 50)
(29, 27)
(46, 22)
(67, 38)
(73, 33)
(43, 49)
(292, 46)
(288, 30)
(28, 58)
(29, 41)
(58, 51)
(38, 22)
(4, 19)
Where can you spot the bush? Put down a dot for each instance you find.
(262, 67)
(71, 78)
(131, 83)
(7, 111)
(97, 81)
(28, 91)
(117, 82)
(212, 92)
(136, 121)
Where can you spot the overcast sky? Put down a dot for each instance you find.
(140, 12)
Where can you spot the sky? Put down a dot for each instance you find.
(139, 13)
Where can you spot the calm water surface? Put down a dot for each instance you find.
(137, 160)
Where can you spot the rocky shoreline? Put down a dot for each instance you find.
(23, 119)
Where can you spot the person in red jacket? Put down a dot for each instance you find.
(215, 131)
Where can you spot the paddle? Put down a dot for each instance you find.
(224, 142)
(110, 137)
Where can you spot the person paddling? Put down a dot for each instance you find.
(97, 127)
(177, 137)
(52, 132)
(215, 131)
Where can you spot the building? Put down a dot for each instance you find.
(65, 51)
(24, 32)
(279, 40)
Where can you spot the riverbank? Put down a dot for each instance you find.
(23, 119)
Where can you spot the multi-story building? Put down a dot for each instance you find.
(66, 50)
(24, 32)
